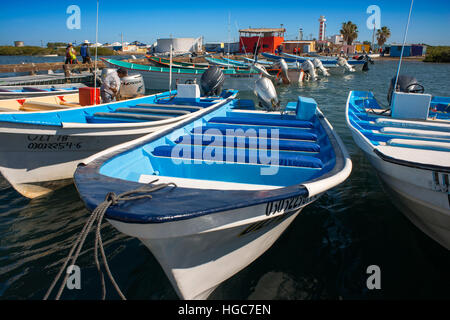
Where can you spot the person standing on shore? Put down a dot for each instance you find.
(111, 85)
(71, 55)
(85, 54)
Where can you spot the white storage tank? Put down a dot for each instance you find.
(179, 45)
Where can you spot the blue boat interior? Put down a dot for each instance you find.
(383, 130)
(162, 106)
(234, 146)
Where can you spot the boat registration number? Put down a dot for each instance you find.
(280, 207)
(286, 205)
(55, 143)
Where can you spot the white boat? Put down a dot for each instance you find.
(40, 150)
(20, 92)
(409, 147)
(157, 78)
(230, 203)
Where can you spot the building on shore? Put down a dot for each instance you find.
(134, 49)
(337, 39)
(302, 46)
(224, 47)
(18, 44)
(411, 50)
(267, 39)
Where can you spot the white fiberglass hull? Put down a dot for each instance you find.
(198, 254)
(415, 192)
(39, 159)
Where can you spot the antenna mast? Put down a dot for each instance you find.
(403, 46)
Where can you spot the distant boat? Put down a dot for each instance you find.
(18, 92)
(227, 183)
(225, 62)
(330, 64)
(264, 63)
(176, 64)
(409, 147)
(40, 150)
(158, 77)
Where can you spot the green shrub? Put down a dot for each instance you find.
(438, 54)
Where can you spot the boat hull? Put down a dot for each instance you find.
(212, 248)
(413, 192)
(37, 160)
(427, 209)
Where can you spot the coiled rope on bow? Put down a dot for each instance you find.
(97, 215)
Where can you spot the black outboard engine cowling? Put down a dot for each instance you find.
(405, 83)
(212, 81)
(367, 60)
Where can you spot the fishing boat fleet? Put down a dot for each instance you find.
(207, 181)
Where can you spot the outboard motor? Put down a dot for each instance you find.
(132, 86)
(283, 73)
(105, 72)
(406, 84)
(263, 70)
(308, 68)
(367, 60)
(318, 65)
(342, 62)
(267, 95)
(212, 81)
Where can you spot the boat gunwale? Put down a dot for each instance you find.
(4, 125)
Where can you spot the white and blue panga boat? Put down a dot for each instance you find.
(224, 186)
(409, 147)
(41, 150)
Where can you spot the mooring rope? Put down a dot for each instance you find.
(97, 215)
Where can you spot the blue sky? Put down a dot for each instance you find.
(146, 21)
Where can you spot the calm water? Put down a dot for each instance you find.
(324, 254)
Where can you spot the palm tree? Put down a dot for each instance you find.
(349, 31)
(382, 35)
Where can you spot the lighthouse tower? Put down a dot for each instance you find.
(322, 21)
